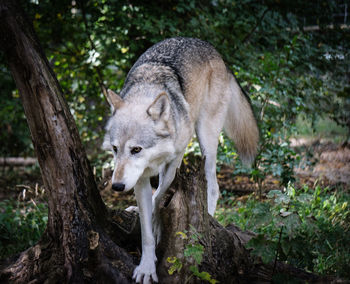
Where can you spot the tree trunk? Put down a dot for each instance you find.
(76, 246)
(225, 258)
(84, 242)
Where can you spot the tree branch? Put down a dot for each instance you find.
(258, 23)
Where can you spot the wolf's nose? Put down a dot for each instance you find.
(118, 186)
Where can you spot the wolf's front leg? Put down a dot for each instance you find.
(147, 267)
(166, 176)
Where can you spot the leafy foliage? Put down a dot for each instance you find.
(307, 227)
(176, 265)
(21, 225)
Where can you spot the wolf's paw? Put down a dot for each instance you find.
(145, 272)
(156, 227)
(132, 209)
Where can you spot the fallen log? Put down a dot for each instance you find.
(17, 161)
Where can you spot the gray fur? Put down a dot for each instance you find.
(177, 55)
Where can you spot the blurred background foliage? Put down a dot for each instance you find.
(291, 57)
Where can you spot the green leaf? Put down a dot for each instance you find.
(182, 235)
(176, 265)
(286, 246)
(285, 213)
(263, 248)
(194, 250)
(292, 223)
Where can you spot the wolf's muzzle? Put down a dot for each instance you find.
(118, 186)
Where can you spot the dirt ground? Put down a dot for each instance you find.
(330, 162)
(323, 162)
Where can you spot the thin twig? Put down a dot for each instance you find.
(276, 257)
(258, 23)
(278, 245)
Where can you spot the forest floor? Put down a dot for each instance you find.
(322, 161)
(23, 206)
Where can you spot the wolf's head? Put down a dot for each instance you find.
(140, 135)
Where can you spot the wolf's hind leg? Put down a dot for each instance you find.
(208, 131)
(166, 176)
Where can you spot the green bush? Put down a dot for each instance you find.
(307, 227)
(21, 225)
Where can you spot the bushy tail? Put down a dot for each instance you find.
(240, 124)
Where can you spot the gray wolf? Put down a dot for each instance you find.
(177, 87)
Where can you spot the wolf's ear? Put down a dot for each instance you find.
(160, 108)
(114, 100)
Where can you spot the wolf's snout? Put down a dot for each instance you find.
(118, 186)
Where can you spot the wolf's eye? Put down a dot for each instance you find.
(135, 150)
(115, 149)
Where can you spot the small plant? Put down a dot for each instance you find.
(193, 253)
(21, 225)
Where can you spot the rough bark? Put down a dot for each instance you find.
(84, 242)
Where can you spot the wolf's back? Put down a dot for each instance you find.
(179, 54)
